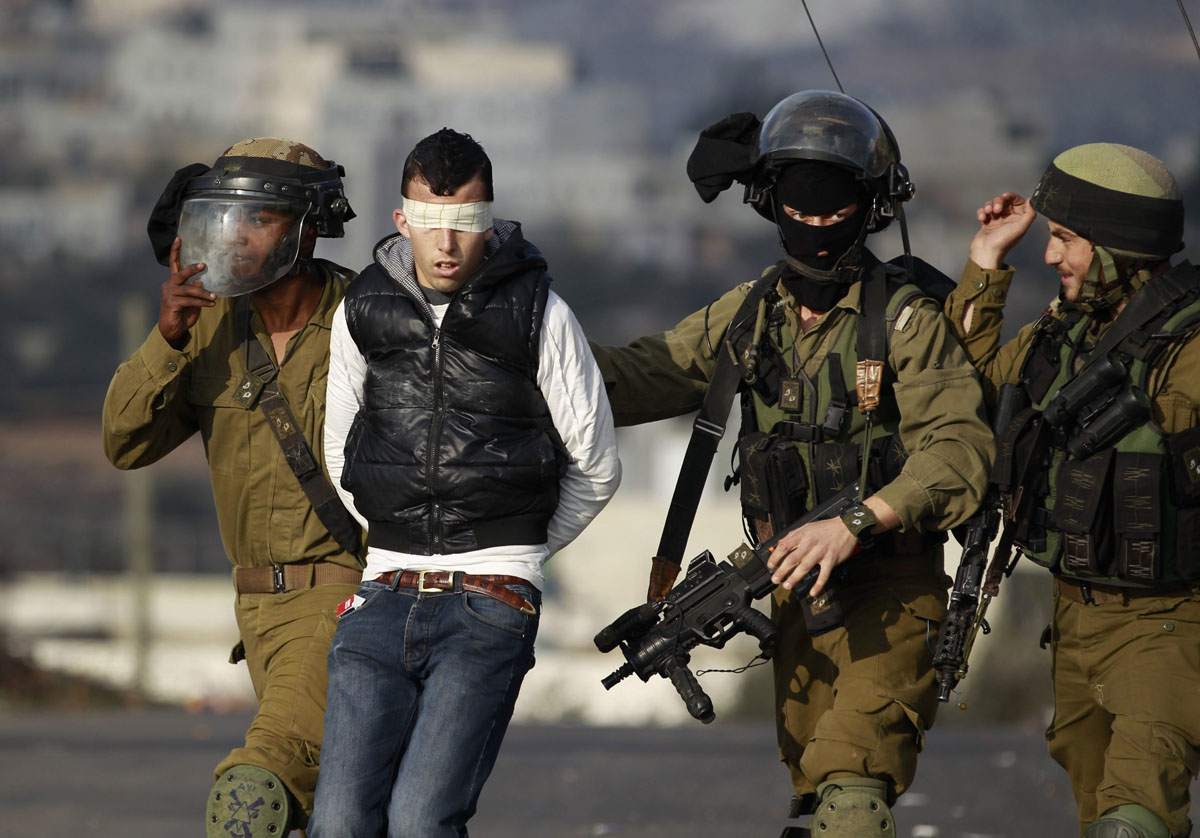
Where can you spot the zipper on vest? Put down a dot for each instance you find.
(435, 432)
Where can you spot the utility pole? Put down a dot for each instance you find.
(137, 508)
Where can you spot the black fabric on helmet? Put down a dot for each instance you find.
(164, 218)
(1109, 218)
(723, 154)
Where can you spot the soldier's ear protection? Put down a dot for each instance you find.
(330, 208)
(900, 187)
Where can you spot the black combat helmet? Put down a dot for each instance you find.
(828, 127)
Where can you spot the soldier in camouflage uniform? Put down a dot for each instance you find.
(1117, 512)
(246, 313)
(853, 702)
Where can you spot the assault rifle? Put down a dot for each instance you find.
(710, 605)
(1088, 413)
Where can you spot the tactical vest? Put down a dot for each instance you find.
(1129, 513)
(802, 433)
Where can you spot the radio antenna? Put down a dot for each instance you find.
(1187, 22)
(826, 54)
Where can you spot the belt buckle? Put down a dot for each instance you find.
(277, 579)
(421, 583)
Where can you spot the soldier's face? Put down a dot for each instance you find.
(444, 258)
(258, 231)
(1071, 255)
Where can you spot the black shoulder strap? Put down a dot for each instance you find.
(709, 426)
(871, 341)
(261, 383)
(1158, 298)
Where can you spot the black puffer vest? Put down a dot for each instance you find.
(454, 448)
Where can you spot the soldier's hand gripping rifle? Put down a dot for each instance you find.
(1090, 412)
(710, 605)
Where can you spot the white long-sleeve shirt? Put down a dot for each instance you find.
(574, 391)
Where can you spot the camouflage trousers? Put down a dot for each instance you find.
(1127, 703)
(856, 701)
(286, 641)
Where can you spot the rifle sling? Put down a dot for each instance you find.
(871, 340)
(262, 382)
(1163, 294)
(709, 428)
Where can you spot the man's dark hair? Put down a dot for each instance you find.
(446, 161)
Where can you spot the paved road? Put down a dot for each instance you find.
(146, 774)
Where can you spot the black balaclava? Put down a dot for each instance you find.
(818, 189)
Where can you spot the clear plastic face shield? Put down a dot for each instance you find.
(245, 242)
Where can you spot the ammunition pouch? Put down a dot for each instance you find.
(823, 612)
(1083, 514)
(1138, 512)
(774, 489)
(1183, 455)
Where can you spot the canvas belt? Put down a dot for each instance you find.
(1097, 594)
(281, 578)
(436, 581)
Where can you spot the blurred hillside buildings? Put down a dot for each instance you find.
(588, 109)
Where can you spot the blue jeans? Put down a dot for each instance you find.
(421, 690)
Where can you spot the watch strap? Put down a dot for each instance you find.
(860, 520)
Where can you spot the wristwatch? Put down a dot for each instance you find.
(860, 520)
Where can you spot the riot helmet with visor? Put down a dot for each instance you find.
(246, 217)
(829, 127)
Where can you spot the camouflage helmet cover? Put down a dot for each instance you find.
(271, 148)
(1115, 196)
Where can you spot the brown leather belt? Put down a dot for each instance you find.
(281, 578)
(430, 581)
(1098, 594)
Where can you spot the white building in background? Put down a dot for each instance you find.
(246, 66)
(82, 221)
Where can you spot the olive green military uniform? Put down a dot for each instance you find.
(854, 701)
(1126, 669)
(159, 398)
